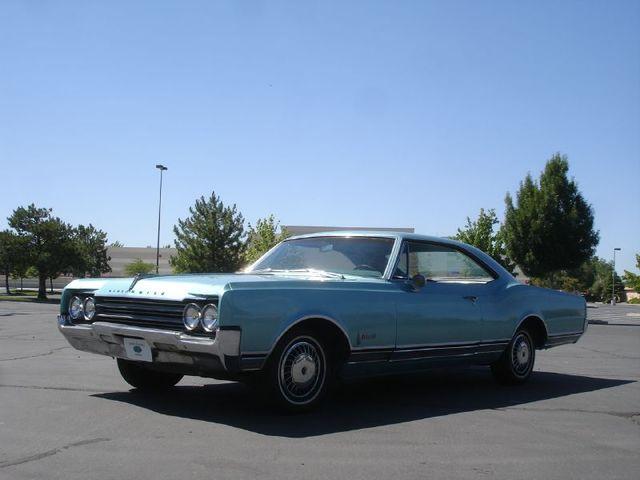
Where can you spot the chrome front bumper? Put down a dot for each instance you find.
(168, 347)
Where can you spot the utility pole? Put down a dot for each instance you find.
(162, 168)
(613, 277)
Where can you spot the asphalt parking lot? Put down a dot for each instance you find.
(66, 414)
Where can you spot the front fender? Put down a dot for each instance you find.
(367, 318)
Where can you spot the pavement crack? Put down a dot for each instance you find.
(628, 415)
(50, 352)
(49, 453)
(616, 355)
(62, 389)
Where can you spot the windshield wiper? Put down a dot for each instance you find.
(312, 271)
(317, 272)
(262, 270)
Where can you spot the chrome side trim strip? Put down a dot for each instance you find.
(565, 334)
(452, 344)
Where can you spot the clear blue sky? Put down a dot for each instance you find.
(396, 113)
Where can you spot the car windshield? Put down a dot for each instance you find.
(361, 256)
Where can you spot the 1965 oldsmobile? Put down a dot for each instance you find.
(320, 307)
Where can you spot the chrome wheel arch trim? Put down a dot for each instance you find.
(295, 323)
(525, 318)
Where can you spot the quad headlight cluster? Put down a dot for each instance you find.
(82, 309)
(205, 317)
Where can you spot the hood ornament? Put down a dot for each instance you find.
(139, 276)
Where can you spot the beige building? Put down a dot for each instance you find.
(121, 256)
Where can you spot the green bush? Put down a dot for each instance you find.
(635, 301)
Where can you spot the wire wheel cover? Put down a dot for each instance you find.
(521, 355)
(302, 370)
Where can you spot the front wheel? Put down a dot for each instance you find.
(516, 363)
(299, 372)
(144, 378)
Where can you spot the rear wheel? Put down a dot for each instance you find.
(299, 371)
(516, 363)
(144, 378)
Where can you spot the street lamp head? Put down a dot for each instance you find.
(617, 248)
(161, 167)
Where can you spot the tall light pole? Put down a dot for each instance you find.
(162, 168)
(613, 277)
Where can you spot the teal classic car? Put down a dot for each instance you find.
(320, 307)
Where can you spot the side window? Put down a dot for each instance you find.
(439, 263)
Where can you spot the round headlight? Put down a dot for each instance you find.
(75, 308)
(191, 316)
(210, 318)
(89, 308)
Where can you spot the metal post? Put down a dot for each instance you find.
(162, 168)
(613, 277)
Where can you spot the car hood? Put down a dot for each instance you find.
(179, 287)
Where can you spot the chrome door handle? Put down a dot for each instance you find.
(472, 298)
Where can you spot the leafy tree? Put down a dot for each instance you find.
(92, 258)
(49, 243)
(116, 244)
(211, 239)
(138, 266)
(550, 226)
(481, 234)
(263, 237)
(22, 271)
(11, 255)
(633, 279)
(603, 276)
(592, 278)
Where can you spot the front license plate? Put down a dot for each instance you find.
(137, 349)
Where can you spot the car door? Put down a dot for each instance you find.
(444, 317)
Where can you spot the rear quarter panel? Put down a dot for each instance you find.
(561, 312)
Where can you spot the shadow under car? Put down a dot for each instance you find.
(364, 404)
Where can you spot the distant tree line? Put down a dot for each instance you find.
(41, 244)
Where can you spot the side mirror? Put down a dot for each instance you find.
(417, 282)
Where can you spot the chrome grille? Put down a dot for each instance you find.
(164, 314)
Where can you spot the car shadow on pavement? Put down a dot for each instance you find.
(361, 405)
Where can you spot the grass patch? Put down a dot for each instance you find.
(26, 296)
(18, 293)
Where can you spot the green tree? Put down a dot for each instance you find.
(49, 243)
(92, 258)
(138, 266)
(211, 239)
(550, 227)
(603, 276)
(12, 255)
(263, 237)
(593, 279)
(116, 244)
(22, 271)
(481, 234)
(633, 279)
